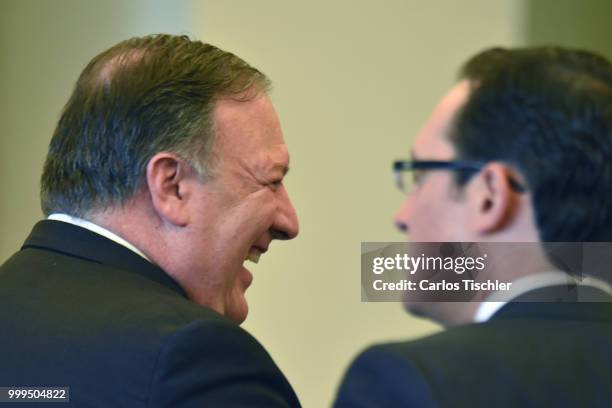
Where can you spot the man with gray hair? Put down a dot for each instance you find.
(164, 175)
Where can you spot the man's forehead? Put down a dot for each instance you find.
(278, 157)
(251, 122)
(432, 141)
(244, 108)
(249, 133)
(265, 162)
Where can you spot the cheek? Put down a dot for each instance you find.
(426, 221)
(435, 218)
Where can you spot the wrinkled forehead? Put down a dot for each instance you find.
(432, 142)
(254, 117)
(249, 128)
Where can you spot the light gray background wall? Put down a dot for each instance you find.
(573, 23)
(43, 47)
(354, 80)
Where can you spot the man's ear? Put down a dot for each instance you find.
(493, 202)
(167, 181)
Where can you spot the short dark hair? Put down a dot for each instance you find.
(140, 97)
(547, 112)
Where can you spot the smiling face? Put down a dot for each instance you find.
(236, 214)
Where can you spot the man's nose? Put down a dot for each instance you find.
(402, 216)
(286, 225)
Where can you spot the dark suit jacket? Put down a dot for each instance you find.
(79, 310)
(526, 355)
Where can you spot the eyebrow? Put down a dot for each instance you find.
(282, 167)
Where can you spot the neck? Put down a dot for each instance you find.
(134, 224)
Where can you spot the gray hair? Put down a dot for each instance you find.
(140, 97)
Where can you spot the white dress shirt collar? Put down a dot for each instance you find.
(497, 300)
(97, 229)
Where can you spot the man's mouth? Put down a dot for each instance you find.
(253, 255)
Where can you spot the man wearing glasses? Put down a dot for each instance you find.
(518, 151)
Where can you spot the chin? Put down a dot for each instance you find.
(238, 312)
(438, 312)
(423, 310)
(415, 309)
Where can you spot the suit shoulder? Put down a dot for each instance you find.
(378, 378)
(516, 353)
(462, 338)
(213, 362)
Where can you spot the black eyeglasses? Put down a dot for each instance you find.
(418, 167)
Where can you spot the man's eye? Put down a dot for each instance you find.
(275, 184)
(417, 177)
